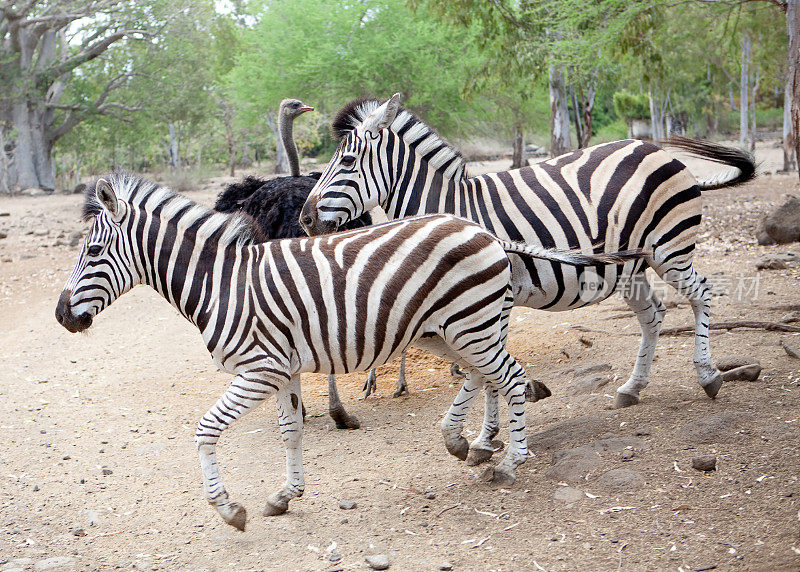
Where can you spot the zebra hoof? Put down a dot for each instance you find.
(536, 390)
(275, 506)
(502, 478)
(625, 400)
(238, 517)
(713, 387)
(477, 456)
(458, 448)
(343, 419)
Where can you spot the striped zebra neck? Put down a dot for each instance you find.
(177, 246)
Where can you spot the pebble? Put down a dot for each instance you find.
(108, 472)
(744, 373)
(445, 566)
(705, 463)
(726, 363)
(568, 495)
(378, 561)
(347, 504)
(66, 457)
(768, 262)
(430, 496)
(75, 237)
(3, 234)
(78, 531)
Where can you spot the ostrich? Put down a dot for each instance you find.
(275, 204)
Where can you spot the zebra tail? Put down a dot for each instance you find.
(745, 165)
(573, 258)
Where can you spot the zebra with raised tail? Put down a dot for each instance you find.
(621, 195)
(269, 311)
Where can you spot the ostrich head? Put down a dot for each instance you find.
(293, 108)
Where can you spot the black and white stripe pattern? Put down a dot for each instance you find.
(626, 194)
(335, 304)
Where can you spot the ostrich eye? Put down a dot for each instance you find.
(295, 105)
(347, 160)
(94, 250)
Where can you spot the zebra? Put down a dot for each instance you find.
(269, 311)
(613, 196)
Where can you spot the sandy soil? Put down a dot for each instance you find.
(99, 469)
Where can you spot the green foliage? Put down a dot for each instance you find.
(629, 106)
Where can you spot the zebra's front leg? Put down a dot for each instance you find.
(483, 447)
(453, 422)
(650, 312)
(290, 421)
(242, 396)
(336, 410)
(402, 386)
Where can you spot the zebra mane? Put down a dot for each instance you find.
(231, 229)
(427, 142)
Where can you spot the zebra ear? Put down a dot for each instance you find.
(382, 117)
(107, 197)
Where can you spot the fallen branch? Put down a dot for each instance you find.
(768, 326)
(790, 350)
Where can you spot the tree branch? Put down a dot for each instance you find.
(91, 52)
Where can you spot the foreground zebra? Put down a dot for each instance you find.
(627, 194)
(271, 311)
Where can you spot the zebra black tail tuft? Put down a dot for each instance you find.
(571, 257)
(738, 158)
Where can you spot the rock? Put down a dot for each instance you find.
(55, 563)
(627, 455)
(621, 480)
(347, 504)
(643, 431)
(762, 236)
(108, 472)
(3, 234)
(568, 495)
(430, 495)
(74, 238)
(572, 465)
(744, 373)
(726, 363)
(705, 463)
(16, 564)
(568, 433)
(783, 224)
(768, 262)
(445, 566)
(78, 531)
(33, 192)
(717, 428)
(378, 561)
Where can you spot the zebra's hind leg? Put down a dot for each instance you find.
(290, 421)
(243, 395)
(697, 290)
(336, 410)
(650, 312)
(453, 422)
(483, 447)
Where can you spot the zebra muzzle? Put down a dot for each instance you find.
(72, 322)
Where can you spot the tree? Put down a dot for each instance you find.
(43, 44)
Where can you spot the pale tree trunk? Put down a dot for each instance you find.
(174, 152)
(518, 156)
(789, 163)
(281, 158)
(793, 27)
(4, 173)
(587, 113)
(744, 90)
(753, 126)
(559, 113)
(227, 120)
(656, 114)
(576, 112)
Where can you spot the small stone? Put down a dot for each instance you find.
(335, 557)
(66, 457)
(35, 488)
(768, 262)
(445, 566)
(627, 455)
(78, 531)
(744, 373)
(347, 504)
(3, 234)
(108, 472)
(727, 363)
(430, 495)
(75, 238)
(643, 431)
(705, 463)
(378, 561)
(568, 495)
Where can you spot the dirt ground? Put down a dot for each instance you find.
(99, 468)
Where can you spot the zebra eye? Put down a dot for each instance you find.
(347, 160)
(94, 250)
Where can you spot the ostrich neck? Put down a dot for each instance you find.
(287, 137)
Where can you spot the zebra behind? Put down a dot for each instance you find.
(622, 195)
(269, 311)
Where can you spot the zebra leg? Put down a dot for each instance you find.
(453, 421)
(370, 384)
(402, 386)
(336, 410)
(482, 448)
(242, 396)
(290, 421)
(697, 290)
(650, 312)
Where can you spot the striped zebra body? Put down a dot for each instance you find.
(269, 311)
(622, 195)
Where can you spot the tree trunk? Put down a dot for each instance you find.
(227, 120)
(174, 154)
(656, 115)
(281, 158)
(33, 149)
(744, 90)
(559, 113)
(793, 27)
(576, 110)
(587, 113)
(789, 163)
(518, 156)
(4, 173)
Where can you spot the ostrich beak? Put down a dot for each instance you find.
(304, 108)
